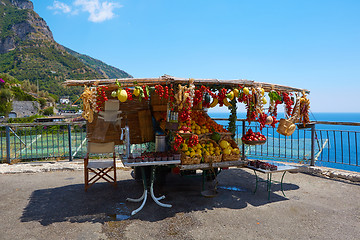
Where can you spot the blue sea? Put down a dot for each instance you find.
(339, 143)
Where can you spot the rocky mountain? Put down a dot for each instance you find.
(29, 51)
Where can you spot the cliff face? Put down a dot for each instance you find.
(21, 23)
(23, 4)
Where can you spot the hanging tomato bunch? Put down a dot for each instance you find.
(159, 90)
(221, 96)
(198, 97)
(172, 101)
(100, 97)
(177, 142)
(193, 140)
(184, 113)
(129, 94)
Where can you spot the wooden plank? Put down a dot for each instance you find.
(146, 126)
(159, 108)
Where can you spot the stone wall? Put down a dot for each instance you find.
(25, 108)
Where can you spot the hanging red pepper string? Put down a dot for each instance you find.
(288, 103)
(262, 120)
(274, 122)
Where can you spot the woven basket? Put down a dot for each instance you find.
(286, 127)
(186, 160)
(232, 156)
(210, 159)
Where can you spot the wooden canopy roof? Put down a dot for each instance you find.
(166, 79)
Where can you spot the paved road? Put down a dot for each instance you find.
(53, 205)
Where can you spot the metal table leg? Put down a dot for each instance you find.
(152, 190)
(281, 183)
(256, 182)
(269, 175)
(144, 195)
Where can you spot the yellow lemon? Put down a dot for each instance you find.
(187, 153)
(236, 92)
(136, 92)
(264, 101)
(246, 91)
(227, 151)
(236, 151)
(122, 95)
(224, 144)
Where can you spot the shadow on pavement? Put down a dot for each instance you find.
(103, 203)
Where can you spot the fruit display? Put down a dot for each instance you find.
(262, 165)
(231, 151)
(252, 138)
(204, 121)
(203, 148)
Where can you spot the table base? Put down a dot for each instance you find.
(145, 193)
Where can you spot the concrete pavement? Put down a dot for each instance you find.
(53, 205)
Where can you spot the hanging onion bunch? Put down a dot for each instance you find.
(89, 97)
(304, 109)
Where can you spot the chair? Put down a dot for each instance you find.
(101, 168)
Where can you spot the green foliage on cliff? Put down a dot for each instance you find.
(10, 16)
(110, 71)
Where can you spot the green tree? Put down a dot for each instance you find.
(48, 111)
(5, 101)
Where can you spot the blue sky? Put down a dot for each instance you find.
(312, 44)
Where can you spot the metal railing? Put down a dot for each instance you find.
(329, 147)
(326, 147)
(36, 141)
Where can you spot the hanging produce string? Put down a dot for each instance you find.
(232, 117)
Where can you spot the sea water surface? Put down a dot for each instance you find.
(327, 136)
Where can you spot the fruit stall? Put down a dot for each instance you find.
(177, 108)
(173, 113)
